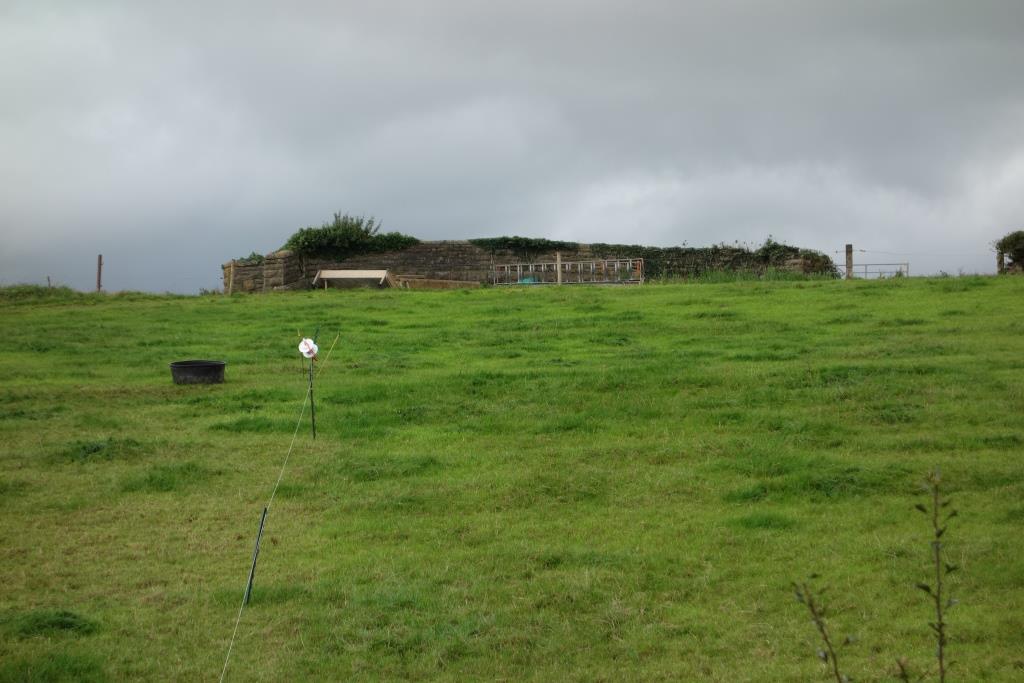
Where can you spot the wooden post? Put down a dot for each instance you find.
(1000, 263)
(231, 277)
(558, 265)
(849, 261)
(99, 273)
(48, 284)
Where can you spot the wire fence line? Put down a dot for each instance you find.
(879, 270)
(933, 254)
(280, 476)
(270, 501)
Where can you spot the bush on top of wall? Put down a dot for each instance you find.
(685, 261)
(523, 246)
(347, 236)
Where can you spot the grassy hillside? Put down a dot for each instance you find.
(511, 484)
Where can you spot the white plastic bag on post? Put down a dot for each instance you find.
(308, 348)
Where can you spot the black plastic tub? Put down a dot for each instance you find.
(198, 371)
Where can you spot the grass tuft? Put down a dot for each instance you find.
(769, 521)
(48, 622)
(166, 478)
(363, 469)
(98, 450)
(11, 487)
(254, 425)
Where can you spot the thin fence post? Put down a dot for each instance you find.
(849, 261)
(312, 405)
(1000, 263)
(255, 555)
(231, 277)
(99, 273)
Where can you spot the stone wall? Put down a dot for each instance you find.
(443, 260)
(462, 260)
(243, 277)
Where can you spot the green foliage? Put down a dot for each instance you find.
(253, 259)
(1012, 244)
(818, 263)
(775, 252)
(524, 247)
(767, 261)
(346, 236)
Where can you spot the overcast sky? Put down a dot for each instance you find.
(172, 137)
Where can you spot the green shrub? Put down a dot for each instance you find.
(524, 247)
(253, 259)
(1012, 244)
(695, 262)
(346, 236)
(775, 252)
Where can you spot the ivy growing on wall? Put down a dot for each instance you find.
(681, 261)
(524, 247)
(686, 261)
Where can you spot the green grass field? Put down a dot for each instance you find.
(511, 484)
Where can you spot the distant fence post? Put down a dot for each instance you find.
(231, 277)
(99, 273)
(558, 265)
(1000, 263)
(849, 261)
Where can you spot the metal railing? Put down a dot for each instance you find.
(876, 270)
(625, 271)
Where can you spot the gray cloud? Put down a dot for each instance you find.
(174, 137)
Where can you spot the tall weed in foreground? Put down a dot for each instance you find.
(937, 591)
(806, 595)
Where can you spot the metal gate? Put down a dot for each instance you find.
(616, 271)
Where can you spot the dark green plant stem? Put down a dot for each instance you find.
(902, 672)
(939, 626)
(936, 592)
(806, 596)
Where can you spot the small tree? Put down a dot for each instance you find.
(1012, 244)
